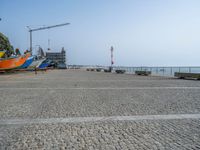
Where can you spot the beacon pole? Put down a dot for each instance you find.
(112, 62)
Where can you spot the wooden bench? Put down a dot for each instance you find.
(98, 69)
(143, 73)
(92, 69)
(183, 75)
(119, 71)
(107, 70)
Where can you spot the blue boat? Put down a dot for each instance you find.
(27, 62)
(44, 64)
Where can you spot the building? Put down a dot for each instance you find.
(57, 57)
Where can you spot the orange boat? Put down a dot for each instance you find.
(13, 62)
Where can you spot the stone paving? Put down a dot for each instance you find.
(78, 93)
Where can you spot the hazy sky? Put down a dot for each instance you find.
(142, 32)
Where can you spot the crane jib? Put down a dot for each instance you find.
(43, 28)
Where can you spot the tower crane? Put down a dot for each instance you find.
(42, 28)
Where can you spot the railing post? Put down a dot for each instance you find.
(163, 70)
(171, 70)
(189, 69)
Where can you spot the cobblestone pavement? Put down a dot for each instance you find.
(80, 103)
(173, 134)
(76, 93)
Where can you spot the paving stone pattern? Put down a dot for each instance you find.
(44, 99)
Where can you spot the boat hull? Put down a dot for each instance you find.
(12, 63)
(2, 53)
(43, 65)
(36, 63)
(27, 62)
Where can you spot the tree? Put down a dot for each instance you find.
(5, 45)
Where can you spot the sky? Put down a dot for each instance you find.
(142, 32)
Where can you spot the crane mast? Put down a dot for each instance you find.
(42, 28)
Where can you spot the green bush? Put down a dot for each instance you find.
(5, 44)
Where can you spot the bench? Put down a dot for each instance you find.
(92, 69)
(119, 71)
(182, 75)
(107, 70)
(144, 73)
(98, 69)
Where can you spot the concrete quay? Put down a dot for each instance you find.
(76, 109)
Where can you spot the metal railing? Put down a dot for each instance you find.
(160, 71)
